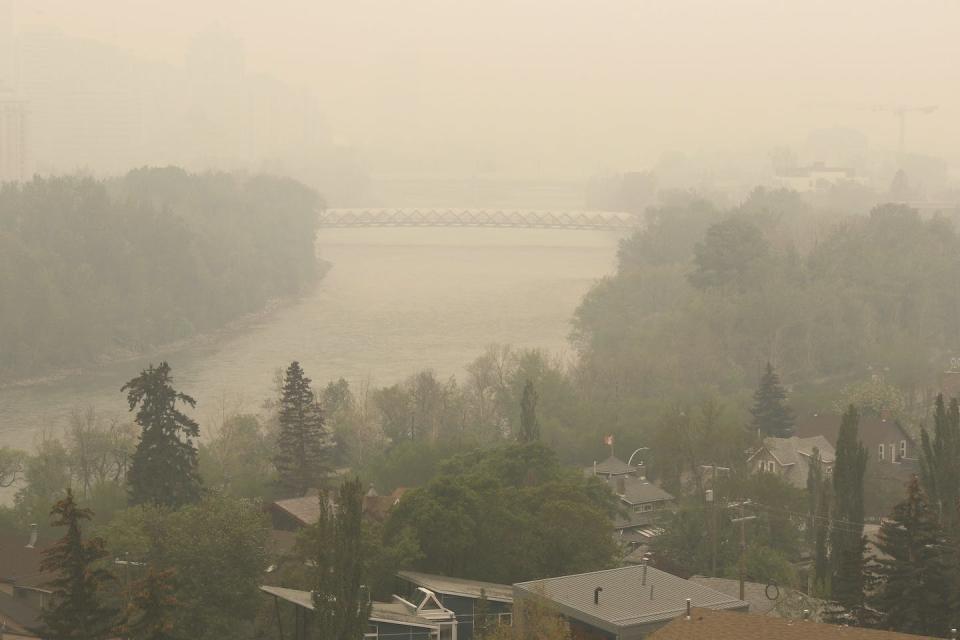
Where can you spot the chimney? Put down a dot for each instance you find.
(953, 634)
(621, 486)
(806, 615)
(643, 583)
(594, 467)
(596, 595)
(688, 608)
(33, 537)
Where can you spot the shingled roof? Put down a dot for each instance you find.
(705, 624)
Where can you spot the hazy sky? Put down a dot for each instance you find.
(570, 86)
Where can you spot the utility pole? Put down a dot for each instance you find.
(743, 520)
(711, 501)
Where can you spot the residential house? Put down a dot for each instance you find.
(892, 454)
(614, 467)
(641, 501)
(790, 458)
(625, 603)
(292, 514)
(708, 624)
(462, 597)
(428, 620)
(23, 590)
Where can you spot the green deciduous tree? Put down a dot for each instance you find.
(217, 552)
(163, 470)
(914, 583)
(529, 426)
(303, 442)
(505, 514)
(771, 415)
(76, 609)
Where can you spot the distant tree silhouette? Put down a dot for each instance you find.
(529, 425)
(771, 415)
(304, 442)
(163, 470)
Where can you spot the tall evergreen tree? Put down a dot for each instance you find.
(529, 425)
(304, 440)
(340, 599)
(76, 608)
(818, 496)
(914, 584)
(846, 536)
(940, 462)
(771, 415)
(163, 469)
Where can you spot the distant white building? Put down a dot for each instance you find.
(815, 177)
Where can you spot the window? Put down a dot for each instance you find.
(646, 507)
(760, 466)
(903, 448)
(880, 453)
(770, 467)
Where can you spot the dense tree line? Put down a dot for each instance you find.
(703, 297)
(91, 268)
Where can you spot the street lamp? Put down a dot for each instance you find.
(630, 461)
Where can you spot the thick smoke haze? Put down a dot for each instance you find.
(558, 90)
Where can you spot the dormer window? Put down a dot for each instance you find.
(880, 452)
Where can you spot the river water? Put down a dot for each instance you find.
(395, 301)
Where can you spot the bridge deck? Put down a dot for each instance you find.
(519, 219)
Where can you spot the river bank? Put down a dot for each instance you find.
(155, 352)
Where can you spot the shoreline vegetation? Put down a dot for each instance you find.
(101, 271)
(208, 338)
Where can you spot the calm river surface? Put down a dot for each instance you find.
(395, 301)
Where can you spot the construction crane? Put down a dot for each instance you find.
(901, 112)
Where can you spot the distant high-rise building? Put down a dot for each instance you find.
(7, 64)
(13, 138)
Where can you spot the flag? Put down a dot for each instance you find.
(608, 440)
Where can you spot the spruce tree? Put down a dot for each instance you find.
(529, 426)
(163, 469)
(76, 608)
(771, 415)
(153, 607)
(914, 584)
(940, 462)
(304, 441)
(846, 536)
(340, 599)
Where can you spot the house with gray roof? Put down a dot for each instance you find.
(614, 467)
(791, 458)
(462, 597)
(625, 603)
